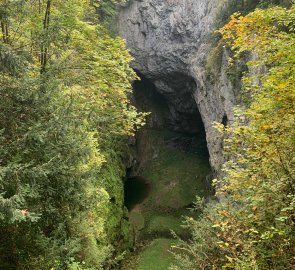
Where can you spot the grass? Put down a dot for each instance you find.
(156, 256)
(164, 224)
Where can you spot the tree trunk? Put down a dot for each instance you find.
(44, 49)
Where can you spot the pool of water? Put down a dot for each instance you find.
(136, 189)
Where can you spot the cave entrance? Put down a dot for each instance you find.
(136, 189)
(173, 108)
(172, 160)
(172, 104)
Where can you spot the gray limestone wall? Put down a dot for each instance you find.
(170, 43)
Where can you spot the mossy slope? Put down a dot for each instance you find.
(176, 167)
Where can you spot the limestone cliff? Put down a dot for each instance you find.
(170, 42)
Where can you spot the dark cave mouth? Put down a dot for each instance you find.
(184, 123)
(175, 110)
(136, 190)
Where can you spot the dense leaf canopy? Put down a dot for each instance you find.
(64, 86)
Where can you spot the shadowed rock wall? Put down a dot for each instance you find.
(170, 42)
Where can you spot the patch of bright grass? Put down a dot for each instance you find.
(156, 256)
(164, 224)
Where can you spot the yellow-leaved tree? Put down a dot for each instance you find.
(252, 227)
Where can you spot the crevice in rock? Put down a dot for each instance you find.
(224, 120)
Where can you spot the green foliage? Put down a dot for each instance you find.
(64, 119)
(267, 3)
(156, 255)
(214, 60)
(107, 10)
(253, 225)
(161, 224)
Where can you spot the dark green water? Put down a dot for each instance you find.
(135, 191)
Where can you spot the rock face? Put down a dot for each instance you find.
(170, 42)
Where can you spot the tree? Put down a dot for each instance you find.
(65, 118)
(253, 225)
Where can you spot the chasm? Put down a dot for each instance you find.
(171, 169)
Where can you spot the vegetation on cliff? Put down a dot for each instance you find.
(252, 226)
(64, 116)
(65, 120)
